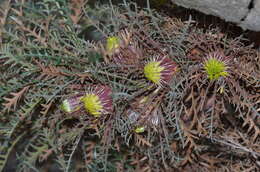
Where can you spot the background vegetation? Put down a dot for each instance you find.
(51, 50)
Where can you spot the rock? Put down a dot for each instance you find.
(252, 20)
(245, 13)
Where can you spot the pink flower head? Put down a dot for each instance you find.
(160, 70)
(98, 101)
(72, 103)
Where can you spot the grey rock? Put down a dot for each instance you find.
(252, 20)
(236, 11)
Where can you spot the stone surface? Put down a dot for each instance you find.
(252, 20)
(245, 13)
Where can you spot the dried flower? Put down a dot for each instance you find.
(160, 70)
(143, 116)
(215, 66)
(71, 104)
(154, 118)
(98, 101)
(132, 115)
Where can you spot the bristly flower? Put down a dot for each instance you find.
(160, 70)
(140, 129)
(112, 44)
(98, 101)
(121, 49)
(71, 104)
(216, 66)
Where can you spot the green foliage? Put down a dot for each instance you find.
(47, 55)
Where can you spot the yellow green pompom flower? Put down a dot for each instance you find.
(139, 129)
(113, 43)
(98, 101)
(215, 66)
(92, 104)
(160, 71)
(152, 71)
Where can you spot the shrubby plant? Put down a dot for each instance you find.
(143, 92)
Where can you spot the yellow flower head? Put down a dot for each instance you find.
(92, 104)
(160, 71)
(215, 67)
(152, 71)
(113, 43)
(139, 129)
(98, 101)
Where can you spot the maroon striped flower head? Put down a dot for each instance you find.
(72, 104)
(160, 70)
(98, 101)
